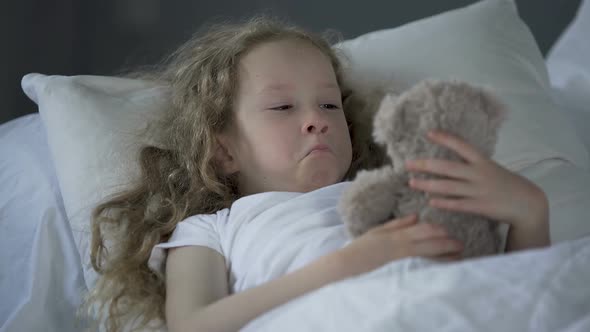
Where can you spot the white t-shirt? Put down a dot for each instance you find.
(266, 235)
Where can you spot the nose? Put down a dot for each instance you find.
(315, 122)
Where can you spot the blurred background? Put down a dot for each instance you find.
(107, 37)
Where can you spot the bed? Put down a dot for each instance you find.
(59, 168)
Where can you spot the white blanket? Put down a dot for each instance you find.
(41, 280)
(535, 290)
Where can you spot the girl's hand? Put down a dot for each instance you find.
(397, 239)
(480, 186)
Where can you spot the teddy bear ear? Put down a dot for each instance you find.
(490, 103)
(497, 112)
(495, 108)
(382, 120)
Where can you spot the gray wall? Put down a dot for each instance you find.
(108, 36)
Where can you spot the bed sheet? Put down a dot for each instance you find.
(41, 282)
(534, 290)
(513, 292)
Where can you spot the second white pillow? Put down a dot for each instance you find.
(486, 44)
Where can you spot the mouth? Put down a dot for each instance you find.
(318, 149)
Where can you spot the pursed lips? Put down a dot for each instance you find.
(319, 148)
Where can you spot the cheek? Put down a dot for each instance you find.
(348, 146)
(344, 137)
(343, 133)
(272, 142)
(279, 141)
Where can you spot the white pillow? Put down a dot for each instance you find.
(568, 63)
(578, 111)
(89, 119)
(488, 44)
(92, 125)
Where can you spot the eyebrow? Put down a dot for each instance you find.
(283, 86)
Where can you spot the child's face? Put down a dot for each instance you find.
(288, 101)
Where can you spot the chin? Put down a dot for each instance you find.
(314, 184)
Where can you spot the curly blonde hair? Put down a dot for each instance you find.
(179, 179)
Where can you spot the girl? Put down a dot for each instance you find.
(240, 202)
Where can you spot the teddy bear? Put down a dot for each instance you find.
(400, 125)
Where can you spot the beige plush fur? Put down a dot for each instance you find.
(400, 125)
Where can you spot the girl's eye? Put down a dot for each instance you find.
(330, 106)
(281, 108)
(287, 107)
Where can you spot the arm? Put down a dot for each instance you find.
(481, 186)
(197, 290)
(532, 233)
(196, 280)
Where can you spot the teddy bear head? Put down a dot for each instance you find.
(402, 121)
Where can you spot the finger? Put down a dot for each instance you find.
(456, 170)
(464, 149)
(400, 222)
(467, 205)
(446, 187)
(437, 247)
(425, 231)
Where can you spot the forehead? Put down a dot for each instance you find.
(278, 86)
(274, 62)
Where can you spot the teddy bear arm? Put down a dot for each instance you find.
(371, 200)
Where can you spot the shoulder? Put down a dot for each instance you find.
(212, 221)
(201, 225)
(197, 230)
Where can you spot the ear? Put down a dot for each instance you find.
(224, 156)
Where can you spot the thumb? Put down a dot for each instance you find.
(400, 222)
